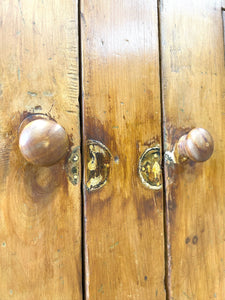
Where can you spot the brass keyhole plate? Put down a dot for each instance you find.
(98, 160)
(149, 168)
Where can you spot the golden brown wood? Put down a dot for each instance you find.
(43, 142)
(193, 96)
(121, 107)
(40, 232)
(197, 145)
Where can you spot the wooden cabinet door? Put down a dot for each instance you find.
(193, 90)
(40, 210)
(123, 227)
(124, 222)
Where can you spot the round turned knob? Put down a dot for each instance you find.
(43, 142)
(197, 145)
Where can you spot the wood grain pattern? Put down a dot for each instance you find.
(40, 232)
(43, 142)
(121, 108)
(193, 96)
(196, 145)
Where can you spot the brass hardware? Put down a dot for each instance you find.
(73, 166)
(149, 168)
(98, 160)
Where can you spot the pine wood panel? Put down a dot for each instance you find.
(40, 232)
(193, 96)
(124, 240)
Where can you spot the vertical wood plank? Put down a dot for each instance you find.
(40, 230)
(121, 109)
(193, 96)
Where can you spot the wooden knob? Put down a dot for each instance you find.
(197, 145)
(43, 142)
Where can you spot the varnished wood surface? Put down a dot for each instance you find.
(124, 239)
(40, 232)
(193, 96)
(196, 145)
(43, 142)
